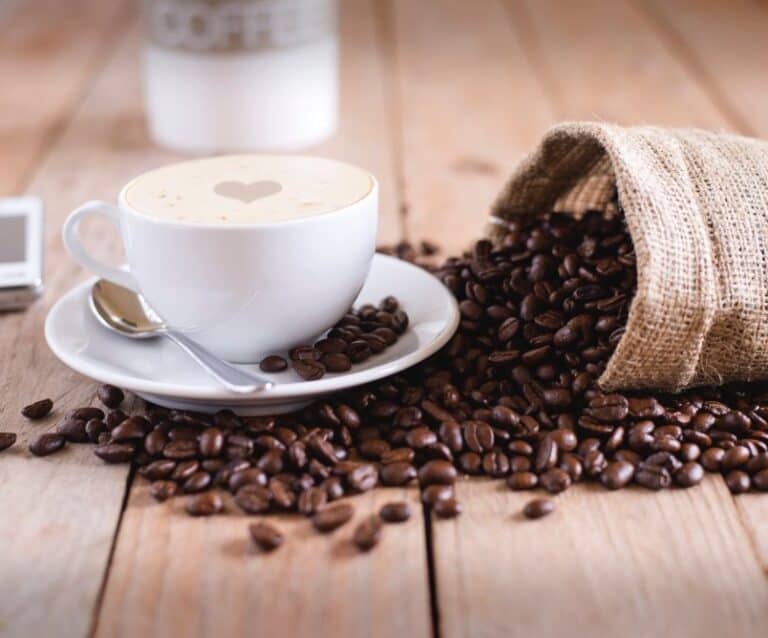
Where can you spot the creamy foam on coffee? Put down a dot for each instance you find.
(242, 189)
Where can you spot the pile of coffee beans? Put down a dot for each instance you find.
(513, 396)
(356, 337)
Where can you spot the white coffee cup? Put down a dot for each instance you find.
(247, 289)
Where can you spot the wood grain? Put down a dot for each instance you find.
(174, 575)
(606, 62)
(49, 51)
(629, 563)
(636, 564)
(209, 583)
(470, 106)
(719, 43)
(717, 40)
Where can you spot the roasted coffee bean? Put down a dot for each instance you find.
(546, 455)
(305, 353)
(180, 450)
(479, 436)
(86, 414)
(447, 508)
(38, 409)
(331, 517)
(397, 512)
(197, 482)
(7, 439)
(608, 408)
(538, 508)
(555, 480)
(45, 444)
(363, 478)
(437, 472)
(368, 533)
(336, 362)
(734, 458)
(471, 463)
(163, 490)
(689, 474)
(712, 459)
(115, 452)
(398, 473)
(271, 462)
(737, 481)
(185, 469)
(134, 428)
(204, 504)
(496, 464)
(312, 500)
(265, 536)
(211, 442)
(522, 480)
(652, 477)
(157, 470)
(110, 396)
(273, 363)
(282, 495)
(309, 370)
(617, 474)
(253, 498)
(73, 430)
(422, 437)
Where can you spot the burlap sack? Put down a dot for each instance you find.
(696, 205)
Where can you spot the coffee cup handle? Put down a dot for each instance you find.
(80, 254)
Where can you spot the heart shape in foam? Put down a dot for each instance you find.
(247, 193)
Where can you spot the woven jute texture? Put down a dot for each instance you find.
(696, 206)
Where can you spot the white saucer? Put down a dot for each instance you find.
(159, 371)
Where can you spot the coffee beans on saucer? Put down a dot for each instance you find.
(356, 337)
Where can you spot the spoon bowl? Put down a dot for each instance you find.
(124, 312)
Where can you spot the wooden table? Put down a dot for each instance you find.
(440, 99)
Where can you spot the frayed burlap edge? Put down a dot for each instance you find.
(696, 206)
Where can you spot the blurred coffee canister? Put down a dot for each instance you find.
(237, 75)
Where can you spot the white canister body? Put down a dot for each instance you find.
(277, 90)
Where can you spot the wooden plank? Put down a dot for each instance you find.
(173, 571)
(724, 44)
(174, 575)
(49, 51)
(629, 563)
(471, 105)
(605, 62)
(366, 132)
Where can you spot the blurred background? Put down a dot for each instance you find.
(438, 98)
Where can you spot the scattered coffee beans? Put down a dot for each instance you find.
(38, 409)
(110, 396)
(7, 439)
(205, 504)
(332, 517)
(368, 533)
(538, 508)
(398, 512)
(513, 396)
(266, 536)
(45, 444)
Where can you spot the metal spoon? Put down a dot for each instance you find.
(122, 311)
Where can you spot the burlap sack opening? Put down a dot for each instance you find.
(696, 206)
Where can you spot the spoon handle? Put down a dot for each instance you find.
(228, 375)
